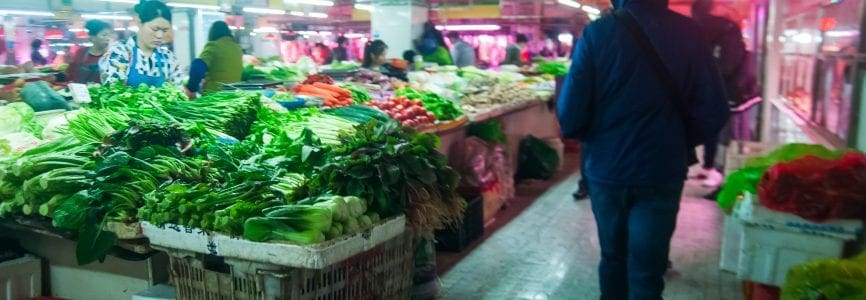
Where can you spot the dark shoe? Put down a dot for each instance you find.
(580, 195)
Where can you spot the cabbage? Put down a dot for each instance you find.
(11, 120)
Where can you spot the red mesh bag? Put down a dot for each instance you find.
(817, 189)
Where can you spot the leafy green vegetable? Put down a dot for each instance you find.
(442, 108)
(536, 160)
(555, 68)
(489, 131)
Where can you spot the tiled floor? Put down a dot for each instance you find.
(550, 251)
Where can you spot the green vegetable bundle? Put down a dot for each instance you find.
(359, 94)
(442, 108)
(555, 68)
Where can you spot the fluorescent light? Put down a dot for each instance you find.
(76, 30)
(591, 10)
(265, 30)
(469, 27)
(61, 52)
(54, 38)
(264, 11)
(843, 33)
(569, 3)
(353, 35)
(63, 44)
(803, 38)
(593, 17)
(26, 13)
(190, 5)
(325, 33)
(367, 7)
(318, 15)
(297, 13)
(232, 27)
(310, 2)
(121, 1)
(305, 32)
(106, 17)
(132, 28)
(86, 44)
(120, 29)
(565, 38)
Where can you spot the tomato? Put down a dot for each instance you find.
(399, 107)
(431, 116)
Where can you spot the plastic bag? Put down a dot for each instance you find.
(817, 189)
(41, 97)
(747, 178)
(470, 158)
(537, 160)
(827, 279)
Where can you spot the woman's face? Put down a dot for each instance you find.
(154, 33)
(101, 39)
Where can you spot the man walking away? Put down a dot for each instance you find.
(639, 106)
(730, 55)
(462, 52)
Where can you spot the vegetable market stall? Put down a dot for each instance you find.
(226, 163)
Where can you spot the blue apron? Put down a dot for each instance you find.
(134, 79)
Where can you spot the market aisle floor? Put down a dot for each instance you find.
(550, 251)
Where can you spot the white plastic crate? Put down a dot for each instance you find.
(21, 278)
(277, 253)
(767, 254)
(731, 237)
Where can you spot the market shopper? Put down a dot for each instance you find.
(514, 52)
(641, 92)
(219, 63)
(432, 46)
(35, 56)
(462, 52)
(341, 52)
(84, 66)
(729, 52)
(142, 59)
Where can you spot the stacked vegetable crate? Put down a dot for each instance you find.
(373, 264)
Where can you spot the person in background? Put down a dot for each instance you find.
(375, 55)
(221, 61)
(514, 52)
(35, 56)
(730, 55)
(142, 59)
(637, 133)
(462, 52)
(339, 53)
(432, 46)
(320, 53)
(84, 67)
(409, 56)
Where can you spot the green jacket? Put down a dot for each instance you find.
(441, 56)
(224, 63)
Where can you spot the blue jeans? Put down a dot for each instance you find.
(635, 225)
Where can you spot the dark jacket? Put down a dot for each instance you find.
(732, 58)
(614, 102)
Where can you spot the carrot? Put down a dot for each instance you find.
(312, 89)
(324, 97)
(333, 88)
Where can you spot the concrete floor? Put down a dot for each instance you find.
(550, 251)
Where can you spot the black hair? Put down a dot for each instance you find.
(218, 30)
(702, 8)
(431, 31)
(36, 44)
(341, 40)
(376, 47)
(94, 27)
(521, 38)
(409, 55)
(148, 10)
(453, 35)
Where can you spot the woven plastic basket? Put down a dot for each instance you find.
(384, 272)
